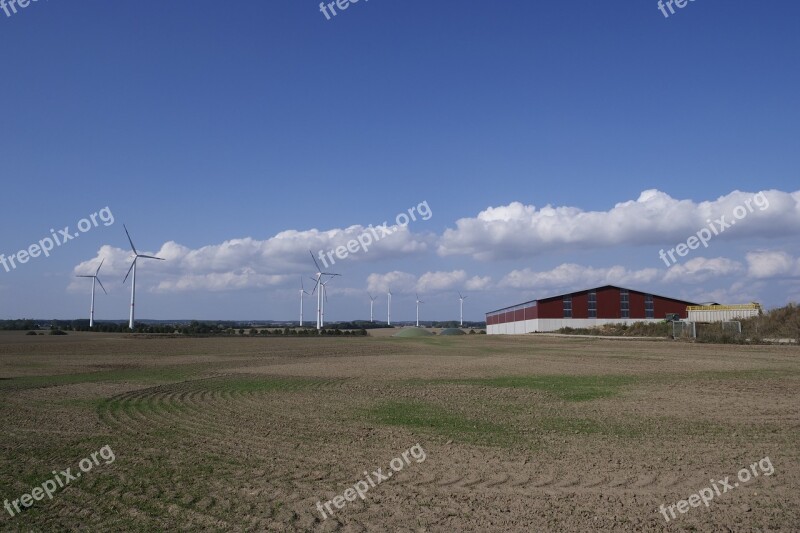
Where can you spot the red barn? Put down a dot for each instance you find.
(584, 309)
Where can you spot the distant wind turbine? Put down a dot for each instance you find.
(136, 257)
(461, 303)
(318, 285)
(324, 289)
(389, 308)
(302, 292)
(371, 303)
(94, 279)
(418, 302)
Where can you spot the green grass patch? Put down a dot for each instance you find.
(145, 375)
(435, 419)
(589, 427)
(569, 388)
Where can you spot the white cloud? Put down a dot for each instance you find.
(439, 281)
(244, 278)
(403, 282)
(741, 291)
(515, 230)
(772, 264)
(252, 263)
(395, 281)
(655, 218)
(479, 283)
(700, 269)
(572, 276)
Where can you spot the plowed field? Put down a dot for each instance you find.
(520, 433)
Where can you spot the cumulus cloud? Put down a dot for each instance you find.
(439, 281)
(478, 283)
(573, 276)
(742, 291)
(404, 282)
(700, 269)
(512, 231)
(252, 263)
(655, 218)
(772, 264)
(395, 281)
(239, 279)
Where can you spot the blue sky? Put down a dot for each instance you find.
(232, 138)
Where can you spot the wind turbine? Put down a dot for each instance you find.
(302, 292)
(94, 279)
(324, 289)
(418, 302)
(324, 294)
(321, 287)
(371, 303)
(136, 257)
(461, 304)
(389, 309)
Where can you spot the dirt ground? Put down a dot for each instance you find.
(519, 433)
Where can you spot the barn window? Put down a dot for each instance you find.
(624, 305)
(648, 306)
(567, 306)
(592, 304)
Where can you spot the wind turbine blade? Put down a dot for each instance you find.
(316, 284)
(101, 266)
(129, 270)
(84, 276)
(129, 240)
(329, 274)
(151, 257)
(315, 261)
(101, 284)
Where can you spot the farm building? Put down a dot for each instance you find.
(584, 309)
(723, 313)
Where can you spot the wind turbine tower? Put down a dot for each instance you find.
(136, 257)
(461, 305)
(371, 304)
(319, 289)
(95, 279)
(324, 289)
(418, 302)
(302, 292)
